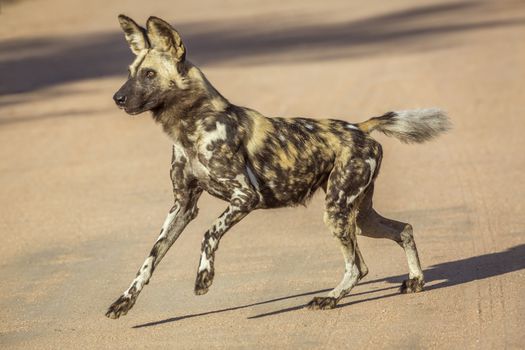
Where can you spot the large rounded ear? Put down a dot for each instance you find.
(165, 38)
(135, 34)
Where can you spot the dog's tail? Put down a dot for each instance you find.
(410, 126)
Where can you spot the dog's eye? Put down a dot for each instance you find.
(150, 74)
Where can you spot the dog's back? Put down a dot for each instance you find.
(291, 158)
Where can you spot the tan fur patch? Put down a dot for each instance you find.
(261, 128)
(133, 68)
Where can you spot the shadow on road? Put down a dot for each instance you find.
(179, 318)
(36, 63)
(470, 269)
(450, 273)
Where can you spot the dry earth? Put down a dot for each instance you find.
(84, 188)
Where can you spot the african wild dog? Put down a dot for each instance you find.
(255, 162)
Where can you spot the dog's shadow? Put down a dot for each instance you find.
(445, 274)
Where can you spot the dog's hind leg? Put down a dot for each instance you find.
(371, 224)
(347, 182)
(183, 211)
(359, 260)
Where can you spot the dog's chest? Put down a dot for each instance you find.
(194, 165)
(187, 162)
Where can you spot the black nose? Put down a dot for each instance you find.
(119, 99)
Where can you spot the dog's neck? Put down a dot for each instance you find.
(181, 113)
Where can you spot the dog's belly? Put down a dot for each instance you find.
(289, 187)
(291, 158)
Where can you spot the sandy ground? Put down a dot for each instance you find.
(84, 188)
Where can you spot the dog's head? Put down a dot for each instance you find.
(156, 74)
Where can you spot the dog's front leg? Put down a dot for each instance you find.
(183, 211)
(236, 211)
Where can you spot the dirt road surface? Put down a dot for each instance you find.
(84, 188)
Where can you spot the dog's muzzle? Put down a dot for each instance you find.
(120, 99)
